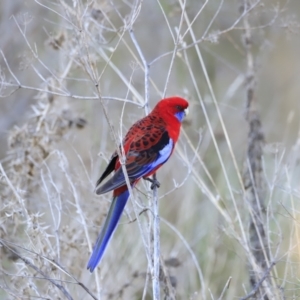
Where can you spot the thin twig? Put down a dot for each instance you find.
(178, 40)
(146, 69)
(259, 283)
(67, 94)
(9, 69)
(155, 203)
(226, 286)
(191, 252)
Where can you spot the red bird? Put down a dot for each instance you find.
(148, 144)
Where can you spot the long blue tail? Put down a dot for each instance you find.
(111, 222)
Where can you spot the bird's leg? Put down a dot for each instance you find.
(154, 182)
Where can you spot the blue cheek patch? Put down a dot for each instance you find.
(180, 115)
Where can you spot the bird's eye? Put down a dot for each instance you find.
(179, 107)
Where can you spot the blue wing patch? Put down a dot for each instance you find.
(142, 165)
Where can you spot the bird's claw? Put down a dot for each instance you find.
(154, 182)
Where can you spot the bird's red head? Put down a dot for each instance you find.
(175, 106)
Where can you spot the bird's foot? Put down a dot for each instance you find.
(154, 182)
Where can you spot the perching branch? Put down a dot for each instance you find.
(155, 205)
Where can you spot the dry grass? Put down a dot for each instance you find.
(74, 77)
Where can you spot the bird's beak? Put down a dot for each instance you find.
(186, 111)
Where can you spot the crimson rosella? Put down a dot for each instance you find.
(148, 144)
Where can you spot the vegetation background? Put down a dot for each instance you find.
(72, 70)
